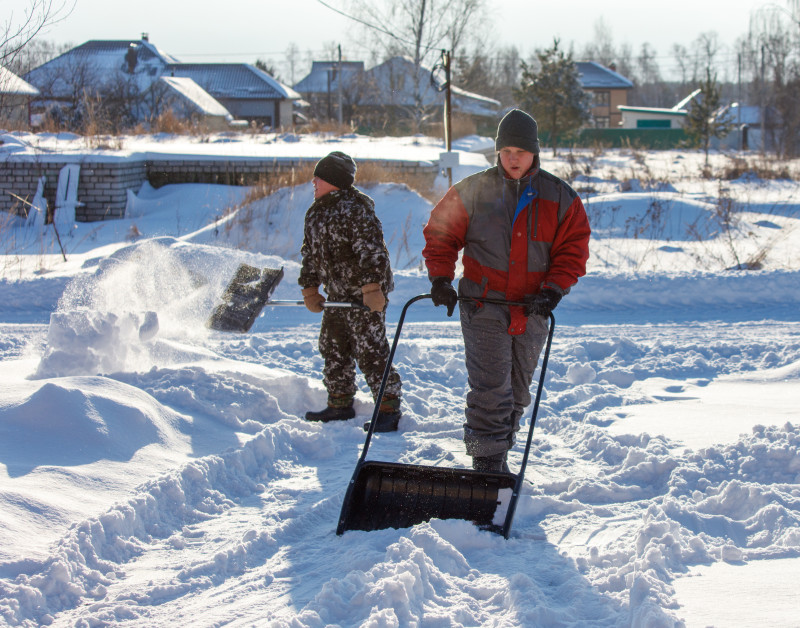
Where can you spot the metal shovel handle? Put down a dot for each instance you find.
(344, 304)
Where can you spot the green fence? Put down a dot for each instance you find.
(617, 138)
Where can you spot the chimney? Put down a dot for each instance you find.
(612, 66)
(145, 37)
(132, 57)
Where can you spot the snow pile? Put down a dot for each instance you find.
(90, 342)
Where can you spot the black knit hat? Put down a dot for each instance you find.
(338, 169)
(517, 129)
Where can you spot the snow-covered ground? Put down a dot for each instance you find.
(153, 472)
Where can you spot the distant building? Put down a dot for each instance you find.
(187, 100)
(755, 128)
(127, 73)
(327, 83)
(608, 90)
(393, 96)
(244, 90)
(657, 117)
(15, 99)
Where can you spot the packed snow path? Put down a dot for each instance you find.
(608, 520)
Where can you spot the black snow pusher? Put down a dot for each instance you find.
(247, 294)
(393, 495)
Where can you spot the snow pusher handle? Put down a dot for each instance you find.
(403, 495)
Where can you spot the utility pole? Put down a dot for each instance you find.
(739, 98)
(448, 129)
(330, 78)
(339, 85)
(448, 119)
(449, 159)
(763, 107)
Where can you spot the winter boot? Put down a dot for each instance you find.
(495, 463)
(388, 415)
(331, 413)
(385, 422)
(340, 408)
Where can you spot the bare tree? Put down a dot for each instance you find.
(36, 53)
(419, 30)
(625, 65)
(601, 48)
(771, 58)
(19, 29)
(292, 56)
(706, 48)
(681, 56)
(489, 71)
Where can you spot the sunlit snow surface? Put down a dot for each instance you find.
(155, 472)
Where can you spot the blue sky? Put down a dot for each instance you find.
(244, 30)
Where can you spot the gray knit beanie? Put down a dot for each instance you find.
(338, 169)
(517, 129)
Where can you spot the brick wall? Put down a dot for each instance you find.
(103, 185)
(103, 188)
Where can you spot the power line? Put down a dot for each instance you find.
(242, 54)
(380, 29)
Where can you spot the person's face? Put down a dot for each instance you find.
(321, 188)
(516, 161)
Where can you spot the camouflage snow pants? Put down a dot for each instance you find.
(348, 337)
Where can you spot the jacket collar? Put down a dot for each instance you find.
(526, 177)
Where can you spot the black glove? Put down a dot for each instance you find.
(542, 304)
(444, 293)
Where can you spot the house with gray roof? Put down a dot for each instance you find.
(608, 91)
(187, 100)
(246, 91)
(99, 65)
(327, 83)
(15, 98)
(396, 96)
(398, 83)
(130, 72)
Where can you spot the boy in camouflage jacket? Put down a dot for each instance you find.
(343, 250)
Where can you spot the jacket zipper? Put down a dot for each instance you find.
(535, 209)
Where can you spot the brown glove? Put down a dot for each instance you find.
(312, 299)
(373, 297)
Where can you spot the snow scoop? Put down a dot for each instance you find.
(393, 495)
(248, 293)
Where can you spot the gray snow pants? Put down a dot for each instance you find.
(500, 369)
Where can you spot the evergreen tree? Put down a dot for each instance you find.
(703, 120)
(268, 67)
(554, 95)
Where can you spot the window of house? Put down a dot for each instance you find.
(602, 99)
(602, 122)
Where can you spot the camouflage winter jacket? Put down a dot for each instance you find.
(343, 247)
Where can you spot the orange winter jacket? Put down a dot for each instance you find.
(518, 237)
